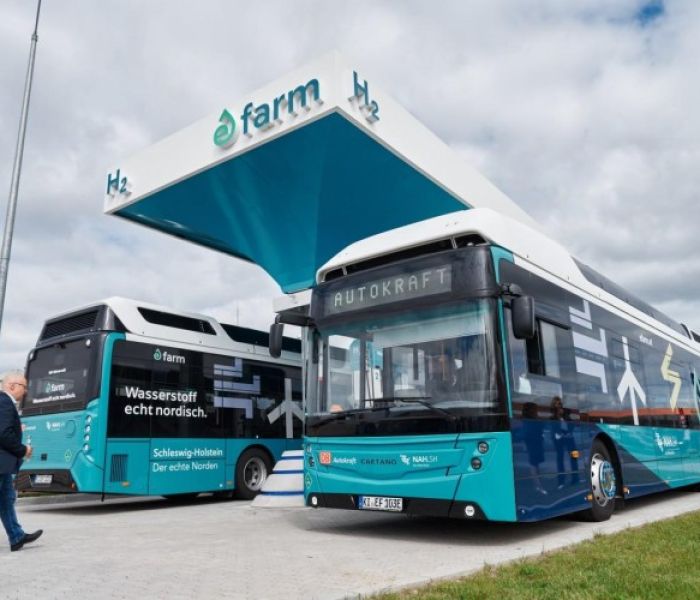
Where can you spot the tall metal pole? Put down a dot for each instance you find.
(17, 170)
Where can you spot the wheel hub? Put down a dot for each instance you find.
(603, 480)
(255, 473)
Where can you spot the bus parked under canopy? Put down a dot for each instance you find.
(467, 366)
(131, 398)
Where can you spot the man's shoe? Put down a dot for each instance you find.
(31, 537)
(17, 546)
(27, 539)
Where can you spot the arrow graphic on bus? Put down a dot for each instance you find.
(629, 383)
(287, 408)
(671, 376)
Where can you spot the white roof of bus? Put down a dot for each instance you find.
(493, 226)
(542, 255)
(126, 310)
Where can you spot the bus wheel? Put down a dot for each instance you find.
(603, 481)
(252, 470)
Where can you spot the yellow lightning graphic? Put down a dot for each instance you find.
(671, 376)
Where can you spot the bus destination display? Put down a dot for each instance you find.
(396, 288)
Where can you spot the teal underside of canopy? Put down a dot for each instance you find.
(293, 203)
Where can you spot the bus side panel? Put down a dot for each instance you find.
(178, 466)
(127, 466)
(614, 378)
(677, 463)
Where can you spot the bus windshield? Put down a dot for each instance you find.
(63, 376)
(437, 362)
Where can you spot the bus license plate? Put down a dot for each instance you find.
(380, 503)
(43, 479)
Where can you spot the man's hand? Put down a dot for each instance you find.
(28, 453)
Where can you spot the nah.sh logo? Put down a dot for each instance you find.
(324, 457)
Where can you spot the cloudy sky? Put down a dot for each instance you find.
(584, 112)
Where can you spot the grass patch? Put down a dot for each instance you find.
(659, 560)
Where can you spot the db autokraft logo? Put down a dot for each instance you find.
(324, 457)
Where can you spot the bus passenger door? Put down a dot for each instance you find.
(546, 431)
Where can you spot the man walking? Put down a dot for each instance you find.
(12, 451)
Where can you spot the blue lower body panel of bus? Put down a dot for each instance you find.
(538, 471)
(169, 466)
(70, 456)
(458, 475)
(551, 463)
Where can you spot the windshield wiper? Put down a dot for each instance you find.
(353, 411)
(422, 401)
(387, 404)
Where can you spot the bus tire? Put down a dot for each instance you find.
(252, 469)
(603, 483)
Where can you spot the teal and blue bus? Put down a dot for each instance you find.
(126, 397)
(467, 366)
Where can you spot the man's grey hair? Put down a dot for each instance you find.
(12, 374)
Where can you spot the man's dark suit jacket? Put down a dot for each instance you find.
(11, 448)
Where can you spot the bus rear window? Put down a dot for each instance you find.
(62, 377)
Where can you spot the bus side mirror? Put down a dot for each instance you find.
(523, 313)
(276, 331)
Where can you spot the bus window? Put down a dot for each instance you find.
(63, 377)
(542, 370)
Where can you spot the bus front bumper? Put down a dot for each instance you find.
(414, 507)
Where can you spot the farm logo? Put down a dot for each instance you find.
(52, 388)
(165, 356)
(267, 115)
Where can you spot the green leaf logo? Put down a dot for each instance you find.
(157, 355)
(224, 136)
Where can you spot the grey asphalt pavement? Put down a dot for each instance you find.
(149, 548)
